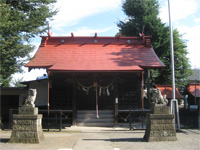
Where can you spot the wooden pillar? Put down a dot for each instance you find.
(48, 96)
(116, 103)
(142, 90)
(148, 86)
(74, 111)
(142, 97)
(199, 115)
(195, 98)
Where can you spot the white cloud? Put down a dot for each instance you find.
(180, 9)
(71, 11)
(89, 32)
(84, 31)
(197, 20)
(193, 35)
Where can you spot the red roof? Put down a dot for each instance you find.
(191, 88)
(95, 54)
(167, 89)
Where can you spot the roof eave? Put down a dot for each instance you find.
(60, 70)
(151, 67)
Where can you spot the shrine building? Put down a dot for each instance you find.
(93, 74)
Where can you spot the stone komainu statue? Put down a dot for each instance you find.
(30, 99)
(157, 98)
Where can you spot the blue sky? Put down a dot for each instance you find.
(85, 17)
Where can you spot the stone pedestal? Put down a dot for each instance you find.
(27, 126)
(160, 125)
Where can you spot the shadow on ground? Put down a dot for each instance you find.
(189, 131)
(4, 140)
(119, 140)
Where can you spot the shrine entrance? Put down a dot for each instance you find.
(96, 91)
(101, 95)
(88, 89)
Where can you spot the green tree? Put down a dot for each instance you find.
(145, 12)
(20, 21)
(17, 82)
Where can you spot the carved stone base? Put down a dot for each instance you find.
(28, 110)
(27, 127)
(160, 110)
(160, 126)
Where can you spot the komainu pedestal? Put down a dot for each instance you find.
(160, 125)
(27, 126)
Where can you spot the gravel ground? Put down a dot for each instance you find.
(87, 138)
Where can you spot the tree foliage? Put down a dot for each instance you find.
(145, 12)
(20, 21)
(17, 82)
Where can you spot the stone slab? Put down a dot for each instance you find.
(25, 128)
(161, 116)
(27, 117)
(161, 121)
(161, 127)
(160, 110)
(24, 140)
(28, 110)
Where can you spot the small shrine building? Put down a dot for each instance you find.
(95, 73)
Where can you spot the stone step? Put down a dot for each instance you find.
(94, 112)
(95, 120)
(95, 124)
(89, 118)
(93, 116)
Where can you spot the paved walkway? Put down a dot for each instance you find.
(85, 138)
